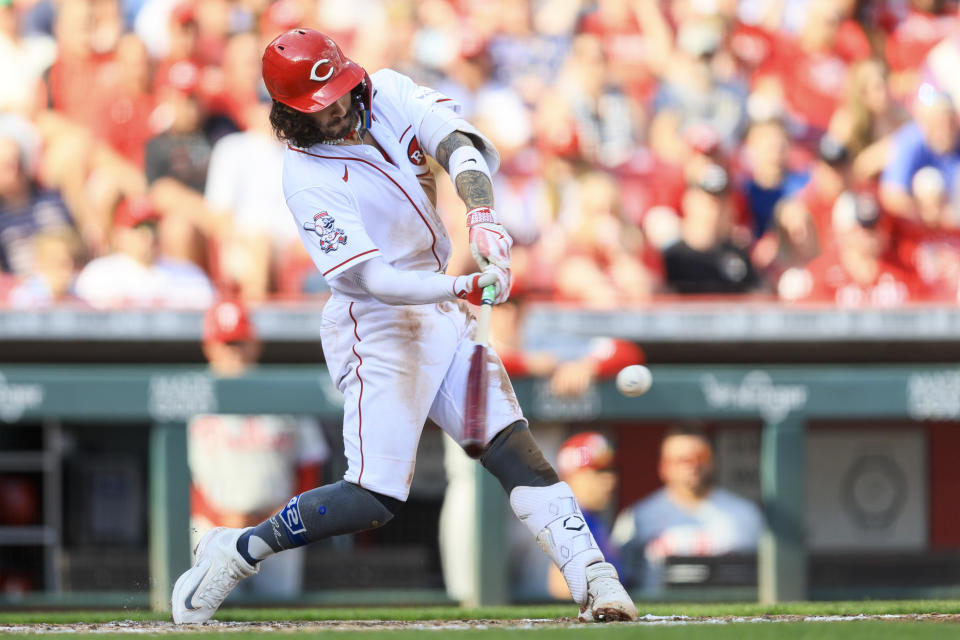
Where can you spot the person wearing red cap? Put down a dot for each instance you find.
(243, 467)
(230, 342)
(136, 274)
(688, 516)
(396, 344)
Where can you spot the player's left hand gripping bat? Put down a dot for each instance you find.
(475, 411)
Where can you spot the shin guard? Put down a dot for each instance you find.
(552, 515)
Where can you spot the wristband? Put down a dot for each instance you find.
(466, 158)
(481, 215)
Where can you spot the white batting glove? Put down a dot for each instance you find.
(470, 287)
(489, 241)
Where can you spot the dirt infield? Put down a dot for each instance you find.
(154, 627)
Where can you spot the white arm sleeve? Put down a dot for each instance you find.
(441, 121)
(397, 287)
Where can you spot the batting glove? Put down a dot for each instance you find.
(470, 287)
(489, 241)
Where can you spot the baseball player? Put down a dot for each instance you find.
(396, 340)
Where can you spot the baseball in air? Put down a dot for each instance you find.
(634, 380)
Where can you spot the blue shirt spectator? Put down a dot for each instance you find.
(25, 209)
(931, 140)
(768, 176)
(762, 201)
(19, 222)
(911, 153)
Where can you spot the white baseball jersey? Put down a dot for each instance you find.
(352, 204)
(396, 365)
(248, 464)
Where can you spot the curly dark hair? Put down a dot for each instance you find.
(293, 126)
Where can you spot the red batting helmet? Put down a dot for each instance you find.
(305, 70)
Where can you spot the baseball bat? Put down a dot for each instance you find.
(475, 411)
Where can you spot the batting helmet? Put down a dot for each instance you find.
(305, 70)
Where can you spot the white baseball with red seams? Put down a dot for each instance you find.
(395, 365)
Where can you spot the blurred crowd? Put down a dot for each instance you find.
(805, 150)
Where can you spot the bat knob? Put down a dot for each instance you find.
(473, 449)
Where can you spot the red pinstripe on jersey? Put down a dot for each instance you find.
(360, 397)
(404, 133)
(433, 235)
(349, 259)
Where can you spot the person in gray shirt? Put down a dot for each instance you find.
(688, 516)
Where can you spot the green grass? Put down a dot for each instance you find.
(752, 631)
(868, 607)
(852, 630)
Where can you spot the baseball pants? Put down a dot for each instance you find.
(397, 366)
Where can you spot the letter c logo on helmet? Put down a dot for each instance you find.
(305, 70)
(324, 77)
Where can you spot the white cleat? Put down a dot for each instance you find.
(218, 567)
(607, 600)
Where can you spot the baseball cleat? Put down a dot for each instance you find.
(607, 600)
(218, 567)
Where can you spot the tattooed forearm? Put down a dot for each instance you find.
(448, 145)
(473, 187)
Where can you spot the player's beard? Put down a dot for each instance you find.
(341, 127)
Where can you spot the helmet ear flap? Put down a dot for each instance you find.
(358, 93)
(362, 95)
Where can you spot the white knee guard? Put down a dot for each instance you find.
(552, 515)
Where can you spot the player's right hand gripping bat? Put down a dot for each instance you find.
(475, 411)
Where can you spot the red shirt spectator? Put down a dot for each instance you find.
(751, 45)
(128, 105)
(819, 205)
(232, 89)
(813, 206)
(860, 272)
(917, 33)
(852, 43)
(812, 68)
(667, 184)
(933, 253)
(890, 285)
(83, 74)
(106, 91)
(627, 48)
(813, 82)
(78, 85)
